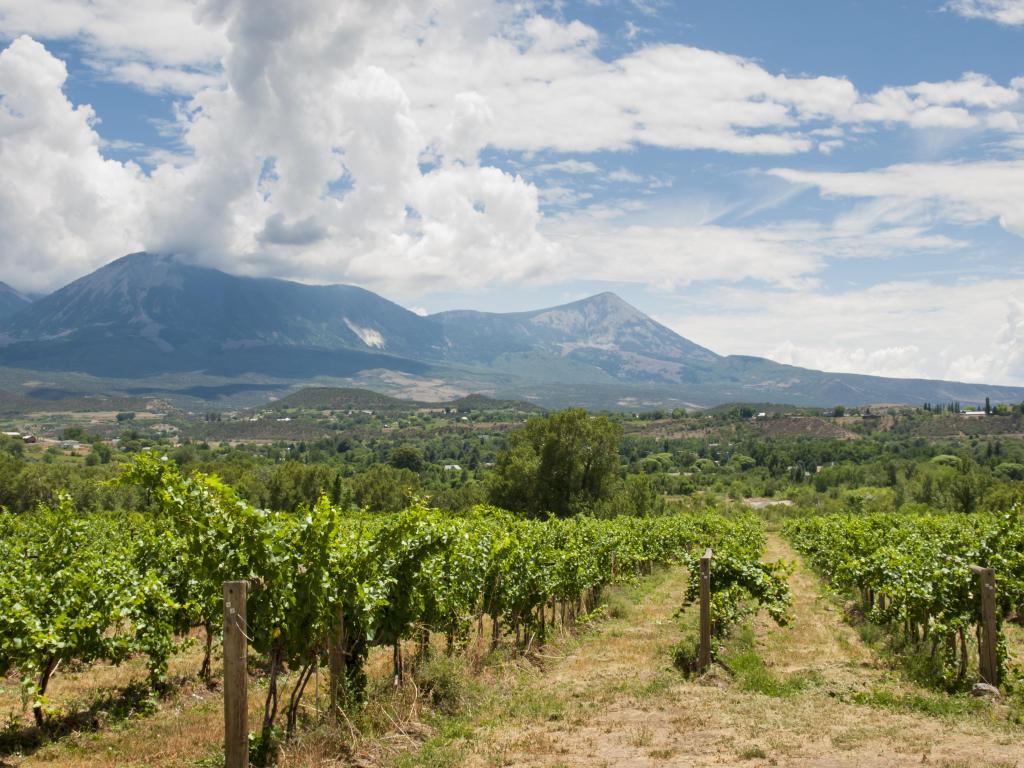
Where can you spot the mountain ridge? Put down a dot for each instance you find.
(148, 315)
(11, 301)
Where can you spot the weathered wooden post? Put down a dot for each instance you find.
(704, 653)
(988, 662)
(236, 709)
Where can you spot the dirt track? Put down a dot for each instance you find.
(624, 705)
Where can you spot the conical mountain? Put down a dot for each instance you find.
(603, 322)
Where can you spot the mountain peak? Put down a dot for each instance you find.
(606, 300)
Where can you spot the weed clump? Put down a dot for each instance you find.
(685, 655)
(442, 680)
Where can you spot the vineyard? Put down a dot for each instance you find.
(326, 584)
(914, 574)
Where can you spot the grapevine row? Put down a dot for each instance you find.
(912, 571)
(110, 586)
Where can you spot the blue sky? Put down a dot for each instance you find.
(836, 185)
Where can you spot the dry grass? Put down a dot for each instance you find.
(608, 697)
(615, 716)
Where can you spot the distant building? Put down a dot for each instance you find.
(973, 413)
(29, 438)
(452, 468)
(15, 435)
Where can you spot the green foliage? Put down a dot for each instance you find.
(407, 457)
(636, 496)
(108, 586)
(913, 572)
(559, 464)
(1011, 470)
(383, 488)
(742, 463)
(740, 582)
(78, 589)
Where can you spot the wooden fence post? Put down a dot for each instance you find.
(236, 709)
(704, 654)
(987, 660)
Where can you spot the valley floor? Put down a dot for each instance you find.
(611, 697)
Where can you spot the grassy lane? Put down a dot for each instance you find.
(808, 694)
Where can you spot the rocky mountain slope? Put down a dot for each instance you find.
(147, 315)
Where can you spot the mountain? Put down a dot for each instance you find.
(147, 316)
(11, 301)
(602, 332)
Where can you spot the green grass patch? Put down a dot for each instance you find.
(753, 752)
(748, 668)
(934, 705)
(654, 687)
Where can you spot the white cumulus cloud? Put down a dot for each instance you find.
(61, 203)
(1003, 11)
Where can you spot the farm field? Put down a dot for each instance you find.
(607, 696)
(487, 587)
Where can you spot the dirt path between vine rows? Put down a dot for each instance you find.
(616, 700)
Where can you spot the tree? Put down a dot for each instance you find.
(741, 462)
(382, 488)
(559, 464)
(839, 410)
(406, 457)
(965, 489)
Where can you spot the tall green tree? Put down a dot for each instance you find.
(561, 464)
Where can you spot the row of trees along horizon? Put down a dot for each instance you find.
(560, 464)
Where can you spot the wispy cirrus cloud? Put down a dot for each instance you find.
(965, 192)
